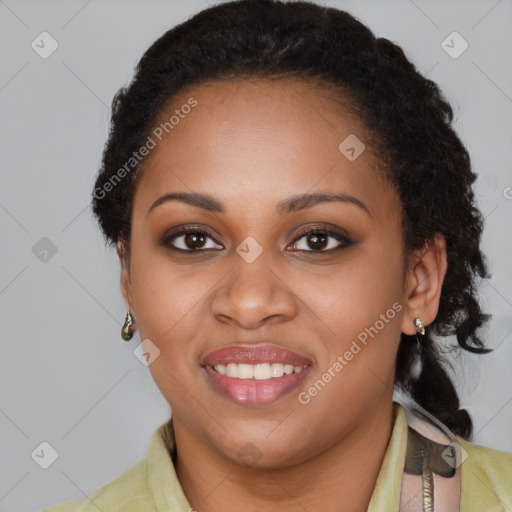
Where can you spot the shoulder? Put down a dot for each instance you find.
(130, 491)
(150, 485)
(486, 477)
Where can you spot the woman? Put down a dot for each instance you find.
(297, 232)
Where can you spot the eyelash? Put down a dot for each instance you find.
(344, 240)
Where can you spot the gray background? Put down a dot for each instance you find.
(67, 378)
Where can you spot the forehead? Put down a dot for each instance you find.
(249, 141)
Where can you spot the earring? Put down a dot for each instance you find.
(128, 327)
(417, 365)
(420, 328)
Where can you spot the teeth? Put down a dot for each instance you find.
(221, 369)
(277, 369)
(245, 371)
(262, 371)
(232, 370)
(288, 369)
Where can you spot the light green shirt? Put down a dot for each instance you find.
(151, 485)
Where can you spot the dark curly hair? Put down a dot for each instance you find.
(406, 114)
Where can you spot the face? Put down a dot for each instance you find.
(251, 286)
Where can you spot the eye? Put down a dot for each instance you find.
(318, 240)
(192, 239)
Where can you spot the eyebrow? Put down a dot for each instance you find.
(286, 206)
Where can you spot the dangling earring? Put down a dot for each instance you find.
(417, 366)
(420, 328)
(128, 327)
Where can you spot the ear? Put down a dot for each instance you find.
(424, 281)
(125, 274)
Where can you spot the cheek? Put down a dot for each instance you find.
(358, 312)
(169, 301)
(163, 293)
(352, 295)
(359, 317)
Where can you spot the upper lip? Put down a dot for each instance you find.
(254, 354)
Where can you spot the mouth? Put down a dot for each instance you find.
(256, 375)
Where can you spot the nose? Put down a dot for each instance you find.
(254, 294)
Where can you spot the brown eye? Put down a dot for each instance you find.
(194, 240)
(189, 240)
(317, 239)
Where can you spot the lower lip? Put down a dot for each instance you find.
(253, 391)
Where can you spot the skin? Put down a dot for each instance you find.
(251, 144)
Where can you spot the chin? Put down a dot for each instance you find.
(263, 454)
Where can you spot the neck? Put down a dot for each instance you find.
(342, 477)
